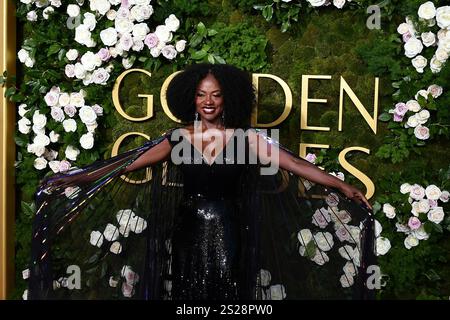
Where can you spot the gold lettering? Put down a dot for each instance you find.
(372, 122)
(304, 103)
(116, 101)
(163, 97)
(115, 152)
(287, 105)
(355, 172)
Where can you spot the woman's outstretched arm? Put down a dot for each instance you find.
(267, 152)
(158, 153)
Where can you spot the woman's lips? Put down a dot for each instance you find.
(209, 110)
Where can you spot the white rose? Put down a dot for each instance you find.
(304, 236)
(413, 105)
(317, 3)
(137, 45)
(30, 62)
(346, 280)
(87, 115)
(116, 247)
(32, 16)
(415, 208)
(140, 31)
(102, 6)
(435, 65)
(443, 17)
(96, 238)
(339, 3)
(265, 277)
(321, 218)
(54, 137)
(347, 252)
(155, 52)
(444, 196)
(89, 21)
(83, 35)
(423, 116)
(413, 47)
(163, 33)
(405, 188)
(50, 154)
(79, 71)
(419, 62)
(73, 10)
(428, 38)
(47, 12)
(123, 26)
(23, 109)
(324, 240)
(441, 54)
(276, 292)
(54, 165)
(100, 76)
(411, 241)
(427, 10)
(91, 127)
(417, 192)
(40, 163)
(383, 246)
(51, 98)
(138, 225)
(87, 141)
(23, 55)
(70, 125)
(64, 166)
(423, 206)
(420, 233)
(141, 2)
(69, 70)
(70, 110)
(339, 216)
(378, 228)
(172, 23)
(111, 15)
(412, 122)
(355, 234)
(421, 132)
(56, 3)
(37, 130)
(389, 210)
(109, 36)
(57, 114)
(113, 282)
(180, 45)
(433, 192)
(111, 232)
(320, 257)
(41, 140)
(169, 52)
(72, 153)
(402, 228)
(436, 215)
(403, 28)
(24, 125)
(128, 62)
(125, 42)
(435, 90)
(90, 61)
(349, 268)
(444, 43)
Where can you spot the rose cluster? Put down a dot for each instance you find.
(415, 42)
(424, 209)
(418, 115)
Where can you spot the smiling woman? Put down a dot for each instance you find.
(207, 229)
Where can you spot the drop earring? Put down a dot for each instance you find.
(196, 121)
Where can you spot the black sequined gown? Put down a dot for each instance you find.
(206, 245)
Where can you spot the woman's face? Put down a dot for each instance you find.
(209, 99)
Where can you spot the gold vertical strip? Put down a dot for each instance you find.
(7, 153)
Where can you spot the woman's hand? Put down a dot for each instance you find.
(353, 193)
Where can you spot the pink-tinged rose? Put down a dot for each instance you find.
(151, 40)
(125, 3)
(64, 165)
(332, 200)
(421, 132)
(401, 108)
(343, 233)
(406, 36)
(57, 114)
(97, 109)
(398, 117)
(433, 203)
(311, 157)
(417, 192)
(321, 218)
(444, 196)
(51, 98)
(70, 110)
(435, 90)
(414, 223)
(104, 54)
(127, 290)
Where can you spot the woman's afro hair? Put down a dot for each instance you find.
(237, 91)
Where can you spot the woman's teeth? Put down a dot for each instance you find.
(209, 109)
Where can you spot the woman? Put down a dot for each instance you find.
(211, 223)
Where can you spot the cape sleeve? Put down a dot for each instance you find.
(91, 223)
(308, 241)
